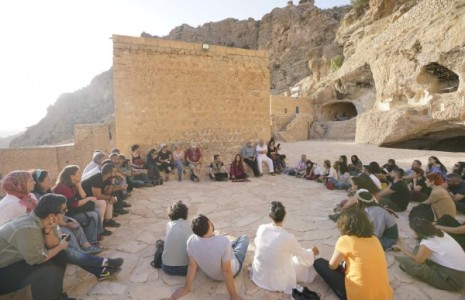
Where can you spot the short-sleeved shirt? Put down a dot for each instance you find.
(401, 195)
(95, 181)
(362, 279)
(210, 253)
(193, 155)
(445, 252)
(424, 188)
(163, 156)
(175, 249)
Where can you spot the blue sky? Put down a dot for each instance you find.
(50, 47)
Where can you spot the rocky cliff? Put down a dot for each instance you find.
(91, 104)
(288, 33)
(402, 74)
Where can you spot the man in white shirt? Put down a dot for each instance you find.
(206, 250)
(367, 170)
(261, 157)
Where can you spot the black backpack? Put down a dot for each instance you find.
(160, 246)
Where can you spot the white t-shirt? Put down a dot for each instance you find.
(375, 180)
(11, 209)
(446, 252)
(279, 260)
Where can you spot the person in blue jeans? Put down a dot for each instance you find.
(219, 258)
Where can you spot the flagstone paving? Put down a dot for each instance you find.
(239, 208)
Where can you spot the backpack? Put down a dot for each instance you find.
(160, 246)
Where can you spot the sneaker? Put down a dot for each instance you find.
(121, 211)
(92, 250)
(334, 217)
(111, 223)
(106, 232)
(108, 273)
(126, 204)
(113, 263)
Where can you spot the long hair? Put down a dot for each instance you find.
(437, 161)
(65, 175)
(238, 163)
(363, 181)
(424, 229)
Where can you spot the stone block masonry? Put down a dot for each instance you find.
(170, 91)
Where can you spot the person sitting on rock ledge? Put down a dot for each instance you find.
(193, 157)
(217, 169)
(249, 156)
(219, 258)
(165, 160)
(261, 157)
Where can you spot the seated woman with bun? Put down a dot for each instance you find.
(280, 261)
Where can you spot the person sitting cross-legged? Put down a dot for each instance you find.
(217, 170)
(219, 258)
(397, 195)
(237, 171)
(280, 261)
(358, 268)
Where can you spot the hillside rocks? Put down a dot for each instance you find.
(288, 34)
(91, 104)
(403, 70)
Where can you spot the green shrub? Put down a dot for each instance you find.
(336, 62)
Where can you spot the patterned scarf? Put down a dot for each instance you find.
(15, 183)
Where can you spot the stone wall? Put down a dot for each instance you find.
(169, 91)
(291, 117)
(86, 139)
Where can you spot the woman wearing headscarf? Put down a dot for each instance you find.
(19, 201)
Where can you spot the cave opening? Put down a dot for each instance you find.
(438, 78)
(452, 140)
(338, 111)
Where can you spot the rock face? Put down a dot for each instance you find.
(290, 34)
(403, 70)
(91, 104)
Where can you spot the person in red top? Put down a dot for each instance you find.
(237, 172)
(89, 211)
(193, 157)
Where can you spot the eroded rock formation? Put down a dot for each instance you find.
(403, 70)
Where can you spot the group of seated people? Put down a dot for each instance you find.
(44, 226)
(148, 171)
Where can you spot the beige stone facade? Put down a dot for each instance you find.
(291, 117)
(169, 92)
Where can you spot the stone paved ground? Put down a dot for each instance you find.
(239, 208)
